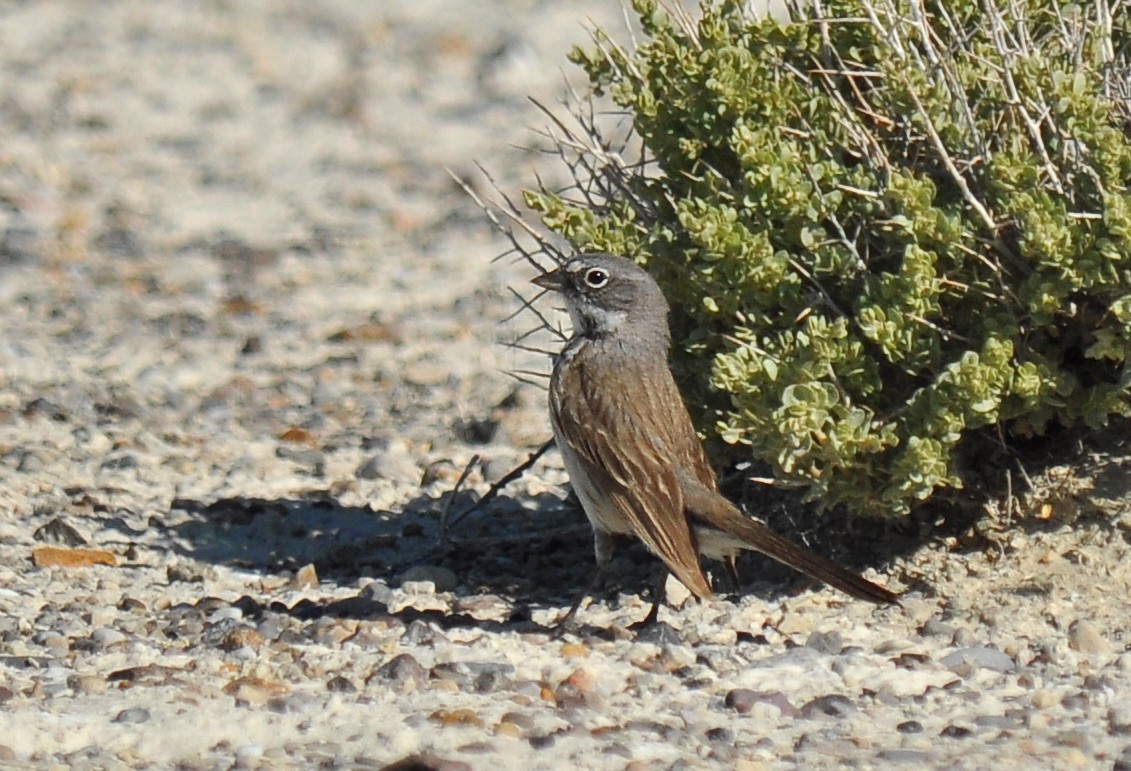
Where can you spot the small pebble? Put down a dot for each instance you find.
(912, 758)
(442, 579)
(58, 531)
(582, 680)
(420, 632)
(1119, 719)
(741, 700)
(676, 595)
(105, 638)
(720, 734)
(305, 577)
(574, 651)
(87, 684)
(423, 588)
(659, 633)
(402, 670)
(184, 572)
(507, 728)
(933, 627)
(833, 705)
(675, 657)
(1084, 637)
(980, 656)
(963, 638)
(133, 715)
(340, 684)
(248, 756)
(378, 591)
(955, 732)
(1001, 722)
(831, 642)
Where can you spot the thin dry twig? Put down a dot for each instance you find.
(452, 497)
(492, 492)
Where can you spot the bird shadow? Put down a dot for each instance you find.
(531, 553)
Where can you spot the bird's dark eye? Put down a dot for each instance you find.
(596, 278)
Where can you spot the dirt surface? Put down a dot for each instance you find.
(250, 343)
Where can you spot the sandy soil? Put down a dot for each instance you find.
(250, 342)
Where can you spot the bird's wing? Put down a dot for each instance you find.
(621, 439)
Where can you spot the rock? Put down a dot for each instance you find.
(123, 461)
(742, 701)
(796, 624)
(979, 656)
(132, 715)
(419, 588)
(255, 691)
(480, 430)
(1119, 719)
(956, 732)
(305, 577)
(241, 637)
(720, 734)
(833, 705)
(393, 463)
(427, 762)
(933, 627)
(831, 643)
(909, 758)
(182, 571)
(659, 633)
(339, 684)
(58, 531)
(87, 684)
(377, 591)
(963, 638)
(401, 670)
(675, 593)
(574, 650)
(1084, 637)
(582, 680)
(52, 556)
(105, 637)
(21, 242)
(443, 579)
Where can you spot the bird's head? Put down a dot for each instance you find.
(607, 295)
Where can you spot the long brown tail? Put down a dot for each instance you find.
(711, 509)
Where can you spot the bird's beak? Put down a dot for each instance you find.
(554, 280)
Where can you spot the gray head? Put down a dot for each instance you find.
(610, 296)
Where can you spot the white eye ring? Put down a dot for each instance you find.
(596, 278)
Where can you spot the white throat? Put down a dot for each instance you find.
(600, 323)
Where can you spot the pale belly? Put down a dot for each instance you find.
(601, 512)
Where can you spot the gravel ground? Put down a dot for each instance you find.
(250, 343)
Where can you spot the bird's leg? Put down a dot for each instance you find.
(603, 544)
(730, 562)
(657, 593)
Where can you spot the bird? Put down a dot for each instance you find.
(630, 448)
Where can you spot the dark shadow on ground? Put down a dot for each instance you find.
(537, 553)
(534, 553)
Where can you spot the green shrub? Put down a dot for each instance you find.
(886, 226)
